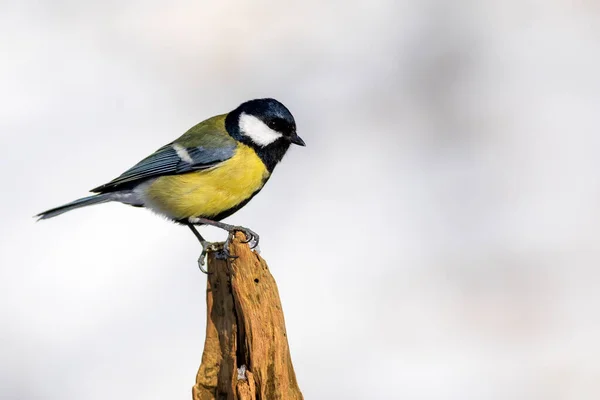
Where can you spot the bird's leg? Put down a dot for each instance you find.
(206, 247)
(251, 236)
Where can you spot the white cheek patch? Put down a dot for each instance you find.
(257, 130)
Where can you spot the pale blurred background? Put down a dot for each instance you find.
(436, 239)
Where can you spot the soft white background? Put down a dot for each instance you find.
(436, 239)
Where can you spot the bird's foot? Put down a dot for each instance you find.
(222, 251)
(207, 247)
(252, 237)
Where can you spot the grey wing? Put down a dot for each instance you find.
(171, 159)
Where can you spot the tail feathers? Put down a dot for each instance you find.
(84, 202)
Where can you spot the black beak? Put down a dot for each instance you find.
(297, 140)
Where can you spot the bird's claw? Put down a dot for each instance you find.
(224, 253)
(251, 237)
(206, 248)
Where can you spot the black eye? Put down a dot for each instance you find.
(274, 124)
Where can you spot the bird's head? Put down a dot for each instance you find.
(263, 124)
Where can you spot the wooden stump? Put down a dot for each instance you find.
(246, 354)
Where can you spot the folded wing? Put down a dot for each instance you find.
(171, 159)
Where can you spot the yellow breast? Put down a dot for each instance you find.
(207, 193)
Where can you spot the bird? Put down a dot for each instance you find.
(207, 174)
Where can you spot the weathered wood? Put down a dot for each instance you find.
(244, 327)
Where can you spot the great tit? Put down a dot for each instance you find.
(208, 173)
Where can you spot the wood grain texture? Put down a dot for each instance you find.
(244, 326)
